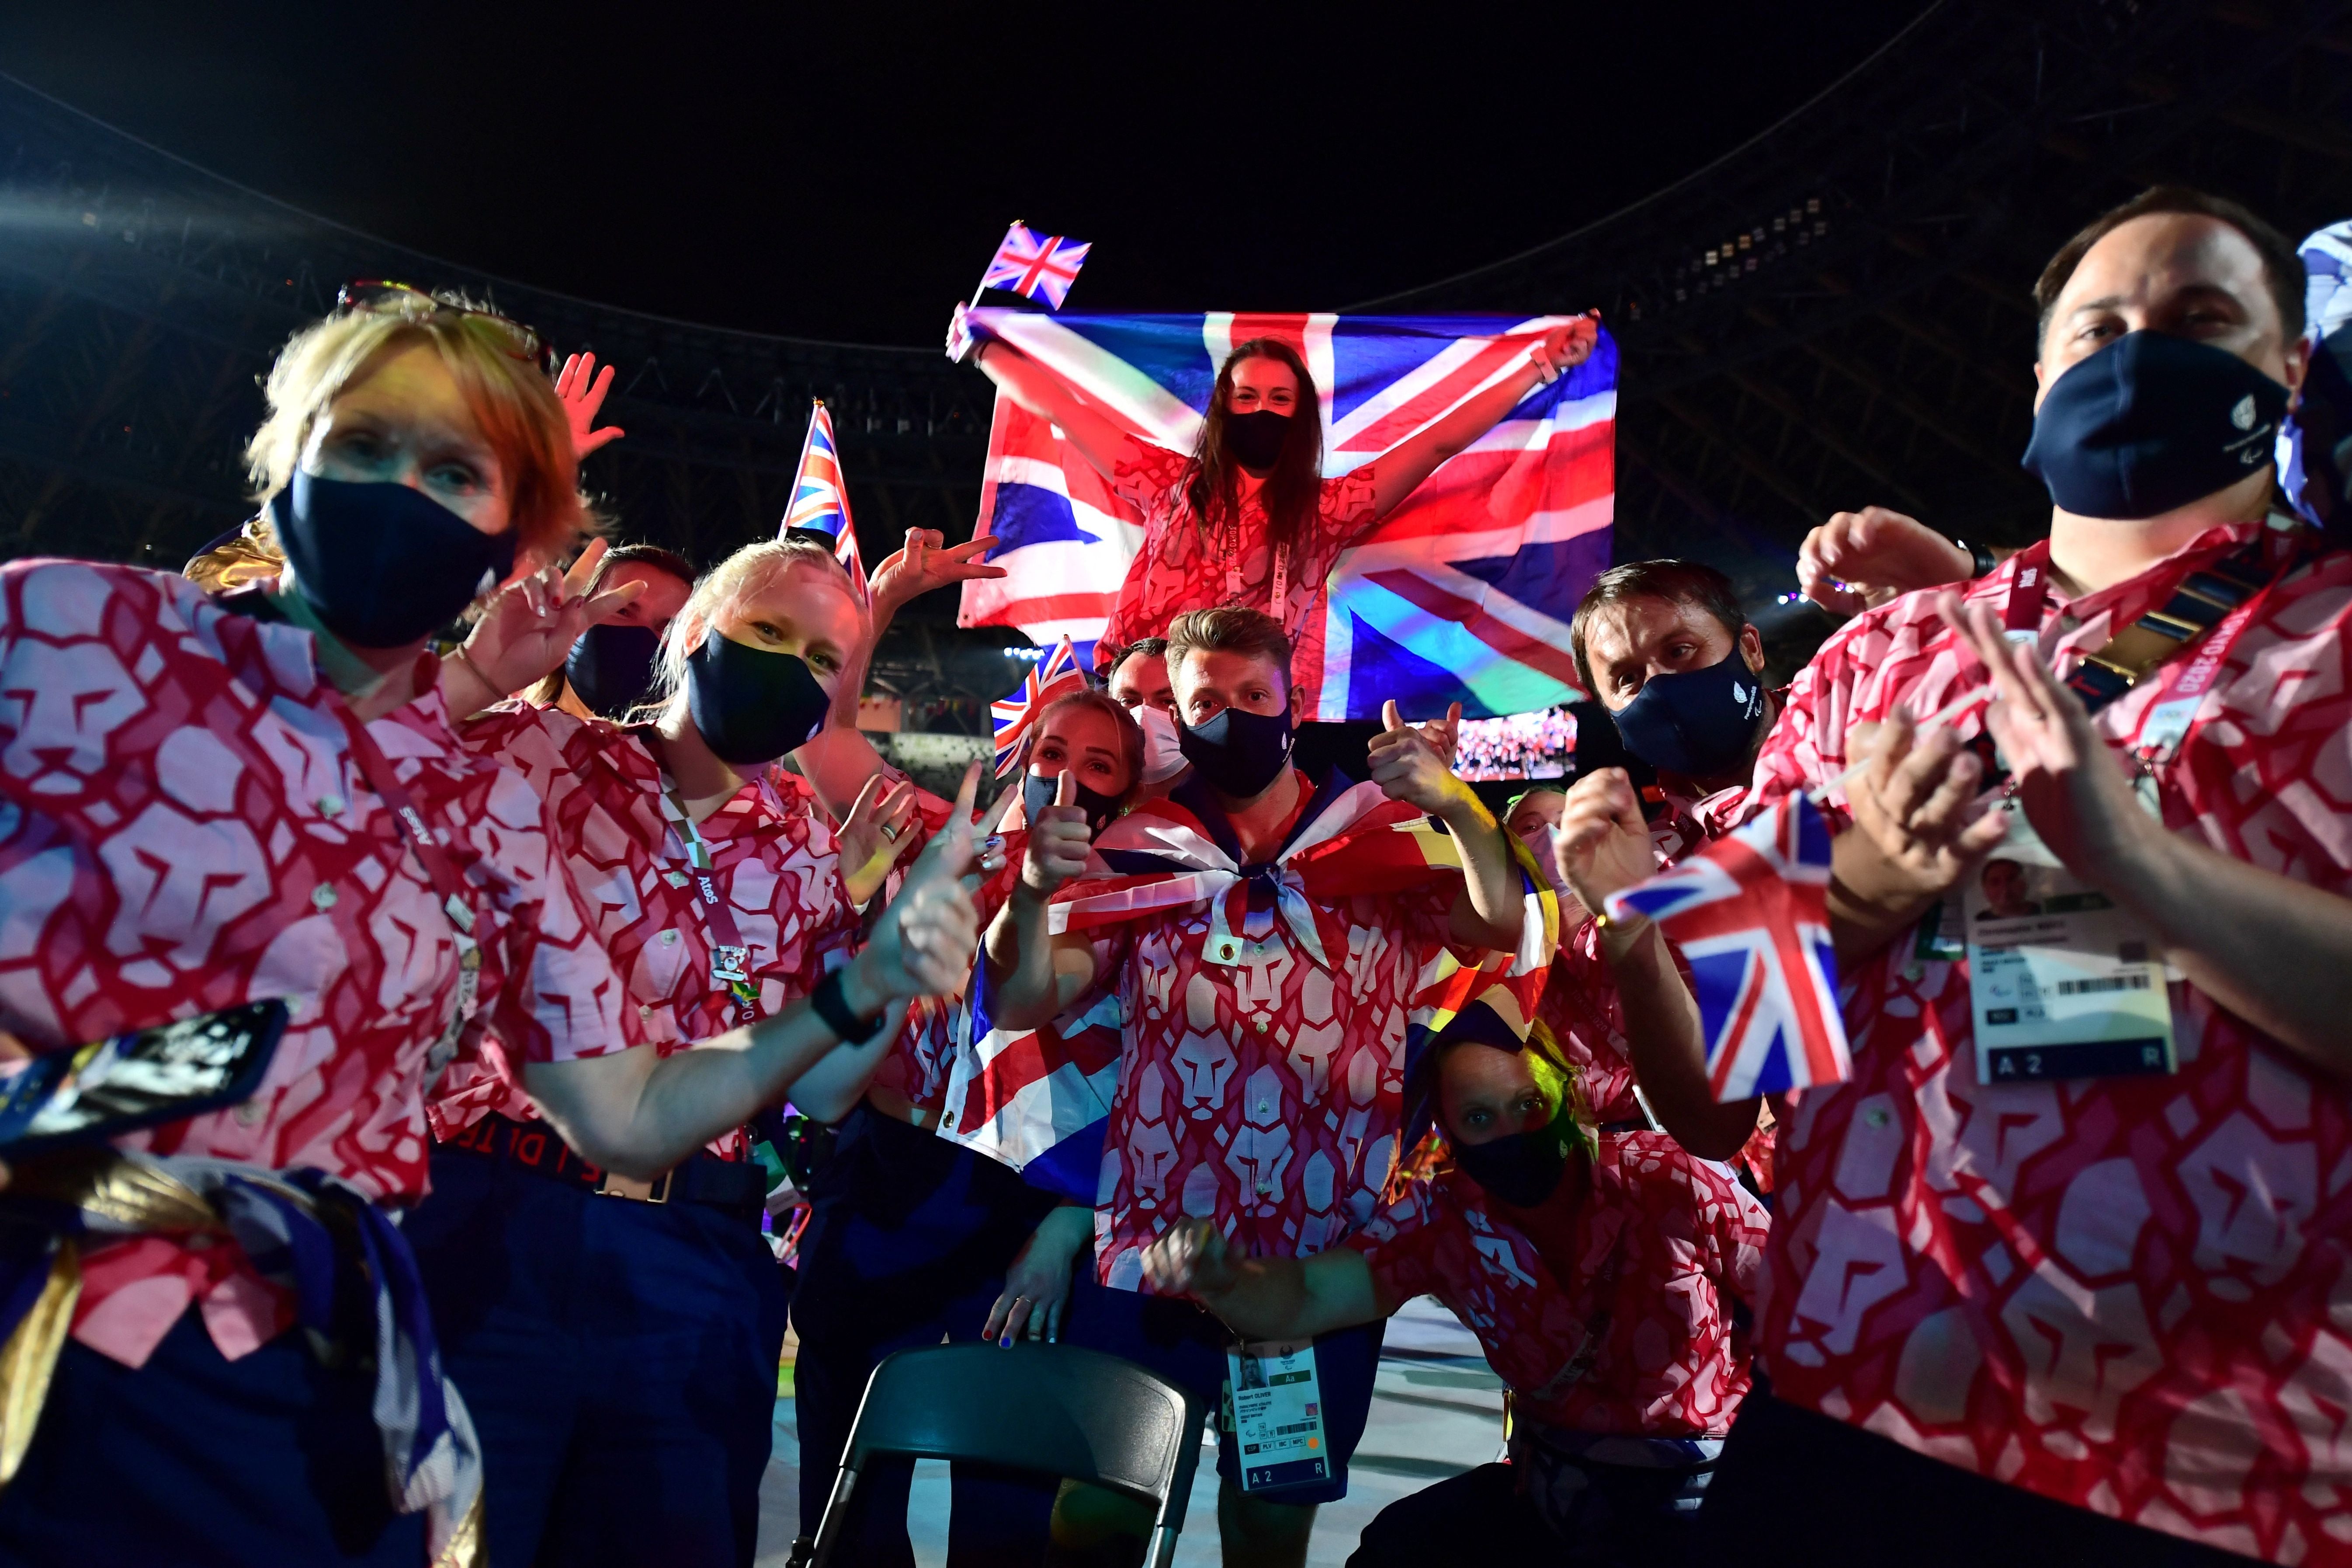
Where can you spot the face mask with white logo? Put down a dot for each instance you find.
(1698, 722)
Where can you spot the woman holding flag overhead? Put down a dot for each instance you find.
(1246, 517)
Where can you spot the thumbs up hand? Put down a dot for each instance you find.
(1409, 766)
(1058, 840)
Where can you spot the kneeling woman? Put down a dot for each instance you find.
(207, 804)
(911, 1235)
(1597, 1275)
(618, 1339)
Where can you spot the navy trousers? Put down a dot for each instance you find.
(907, 1240)
(194, 1459)
(619, 1359)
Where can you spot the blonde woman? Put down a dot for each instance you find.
(208, 803)
(620, 1356)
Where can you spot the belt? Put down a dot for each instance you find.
(739, 1186)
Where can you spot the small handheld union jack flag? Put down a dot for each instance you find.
(1749, 914)
(1055, 675)
(820, 503)
(1035, 266)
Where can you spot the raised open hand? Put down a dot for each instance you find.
(875, 836)
(582, 390)
(532, 624)
(924, 562)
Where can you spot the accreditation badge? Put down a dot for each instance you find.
(1278, 1414)
(2062, 983)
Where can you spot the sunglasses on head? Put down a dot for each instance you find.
(380, 297)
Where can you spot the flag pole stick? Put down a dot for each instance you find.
(981, 286)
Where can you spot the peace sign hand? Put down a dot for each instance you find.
(924, 562)
(531, 625)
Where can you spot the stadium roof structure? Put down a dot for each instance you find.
(1834, 313)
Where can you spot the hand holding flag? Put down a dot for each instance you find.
(1749, 915)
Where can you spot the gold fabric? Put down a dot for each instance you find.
(466, 1547)
(30, 1357)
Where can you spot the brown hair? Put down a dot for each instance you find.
(1294, 490)
(1229, 629)
(1130, 734)
(550, 686)
(1151, 647)
(511, 399)
(2282, 267)
(1679, 582)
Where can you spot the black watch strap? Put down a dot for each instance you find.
(834, 1008)
(1981, 560)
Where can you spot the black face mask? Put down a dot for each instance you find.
(384, 564)
(1037, 793)
(1698, 722)
(1238, 754)
(1523, 1169)
(2150, 423)
(751, 705)
(611, 668)
(1255, 438)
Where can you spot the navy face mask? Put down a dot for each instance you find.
(611, 668)
(384, 564)
(1698, 722)
(1523, 1169)
(1256, 438)
(751, 704)
(2150, 423)
(1238, 754)
(1037, 793)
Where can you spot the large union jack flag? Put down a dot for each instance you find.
(1462, 594)
(1749, 915)
(820, 503)
(1054, 676)
(1035, 266)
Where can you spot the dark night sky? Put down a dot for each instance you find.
(842, 172)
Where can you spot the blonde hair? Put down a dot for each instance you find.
(1130, 734)
(511, 400)
(740, 576)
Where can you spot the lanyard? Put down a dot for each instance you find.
(730, 955)
(436, 860)
(2206, 611)
(413, 826)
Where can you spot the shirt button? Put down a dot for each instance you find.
(250, 1112)
(330, 805)
(322, 897)
(1261, 1025)
(645, 1010)
(1877, 1116)
(669, 939)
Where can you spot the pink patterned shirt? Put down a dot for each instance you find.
(2129, 1294)
(1619, 1323)
(774, 863)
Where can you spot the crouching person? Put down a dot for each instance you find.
(1597, 1273)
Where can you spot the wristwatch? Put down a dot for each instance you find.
(1982, 561)
(834, 1008)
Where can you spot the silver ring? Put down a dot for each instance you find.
(889, 833)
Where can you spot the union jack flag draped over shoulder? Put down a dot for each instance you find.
(1056, 674)
(1035, 266)
(820, 503)
(1462, 594)
(1749, 914)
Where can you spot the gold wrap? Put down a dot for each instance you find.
(467, 1549)
(30, 1356)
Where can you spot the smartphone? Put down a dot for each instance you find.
(142, 1079)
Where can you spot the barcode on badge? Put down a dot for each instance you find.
(2106, 983)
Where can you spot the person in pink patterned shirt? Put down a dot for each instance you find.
(1601, 1275)
(209, 803)
(2073, 1305)
(619, 1340)
(1246, 517)
(1265, 1028)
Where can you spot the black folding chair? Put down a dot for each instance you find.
(1056, 1409)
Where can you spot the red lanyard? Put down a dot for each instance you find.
(419, 833)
